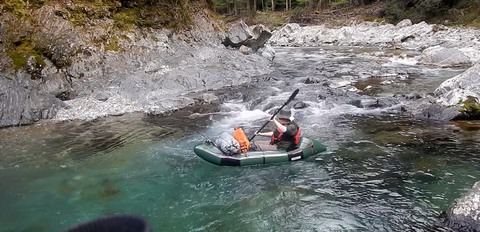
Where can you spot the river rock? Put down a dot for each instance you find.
(404, 23)
(261, 35)
(240, 35)
(444, 57)
(464, 213)
(267, 51)
(457, 89)
(427, 108)
(237, 34)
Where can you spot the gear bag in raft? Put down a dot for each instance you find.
(242, 139)
(227, 144)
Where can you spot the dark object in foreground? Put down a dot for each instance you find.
(121, 223)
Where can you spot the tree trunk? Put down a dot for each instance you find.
(273, 5)
(235, 12)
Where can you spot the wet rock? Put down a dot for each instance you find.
(457, 89)
(300, 105)
(444, 57)
(451, 98)
(464, 213)
(312, 80)
(357, 103)
(370, 103)
(267, 51)
(426, 109)
(206, 98)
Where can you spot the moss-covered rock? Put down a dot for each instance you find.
(470, 109)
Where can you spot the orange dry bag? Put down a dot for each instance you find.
(242, 139)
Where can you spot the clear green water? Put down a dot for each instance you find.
(394, 176)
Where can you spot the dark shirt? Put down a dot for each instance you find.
(287, 141)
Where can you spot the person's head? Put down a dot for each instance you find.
(284, 115)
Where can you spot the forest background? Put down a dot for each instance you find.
(19, 25)
(336, 12)
(177, 14)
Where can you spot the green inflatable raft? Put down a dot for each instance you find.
(209, 152)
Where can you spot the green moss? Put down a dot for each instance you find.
(20, 53)
(141, 14)
(126, 19)
(85, 11)
(17, 7)
(113, 44)
(470, 106)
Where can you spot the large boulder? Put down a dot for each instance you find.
(20, 105)
(459, 88)
(444, 57)
(464, 213)
(240, 34)
(455, 99)
(237, 34)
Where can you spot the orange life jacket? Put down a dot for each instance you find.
(242, 139)
(278, 135)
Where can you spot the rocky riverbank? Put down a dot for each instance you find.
(440, 46)
(64, 71)
(456, 98)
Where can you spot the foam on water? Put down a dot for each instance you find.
(401, 60)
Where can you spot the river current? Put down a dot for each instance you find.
(383, 169)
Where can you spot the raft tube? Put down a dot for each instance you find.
(209, 152)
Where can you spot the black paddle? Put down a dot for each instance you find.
(276, 112)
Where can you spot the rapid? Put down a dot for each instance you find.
(384, 170)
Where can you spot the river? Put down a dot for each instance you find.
(383, 170)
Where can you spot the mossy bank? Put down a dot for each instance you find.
(120, 56)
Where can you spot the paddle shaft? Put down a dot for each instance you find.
(208, 140)
(276, 112)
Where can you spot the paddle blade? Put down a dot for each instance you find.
(294, 94)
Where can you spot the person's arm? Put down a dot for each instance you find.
(266, 134)
(279, 125)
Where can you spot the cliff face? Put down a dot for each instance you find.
(61, 56)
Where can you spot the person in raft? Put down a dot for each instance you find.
(285, 137)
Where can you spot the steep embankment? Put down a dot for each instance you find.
(67, 60)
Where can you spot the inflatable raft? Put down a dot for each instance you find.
(209, 152)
